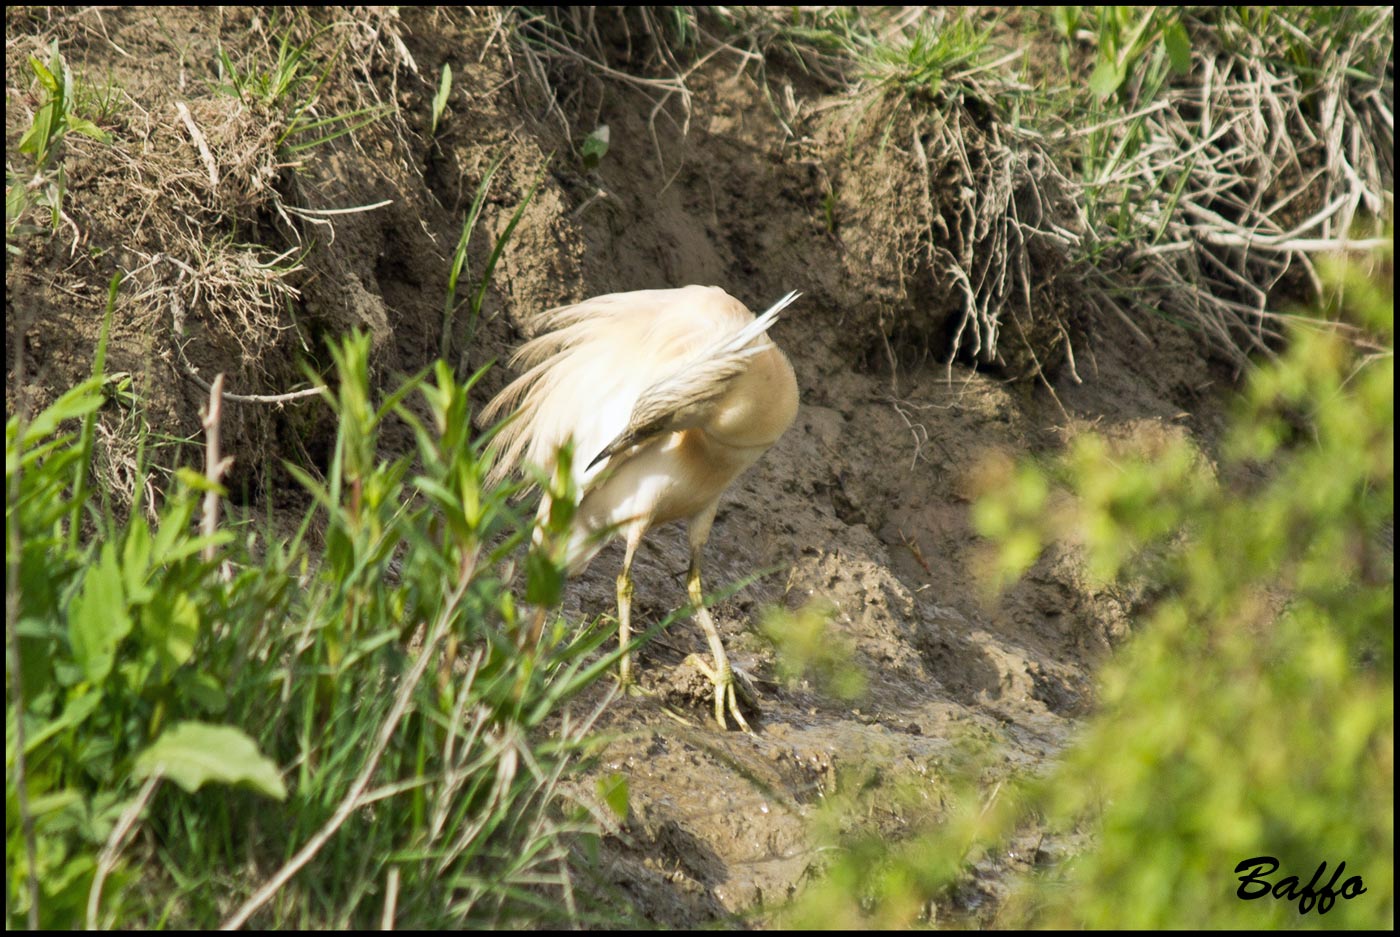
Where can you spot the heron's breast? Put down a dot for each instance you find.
(760, 404)
(672, 478)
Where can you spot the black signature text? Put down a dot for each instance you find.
(1255, 884)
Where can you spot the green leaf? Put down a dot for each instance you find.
(38, 138)
(45, 804)
(194, 753)
(16, 201)
(37, 628)
(442, 495)
(198, 481)
(136, 558)
(206, 692)
(88, 129)
(613, 790)
(75, 713)
(46, 77)
(440, 99)
(188, 546)
(544, 579)
(459, 256)
(1066, 20)
(595, 147)
(173, 529)
(79, 401)
(1178, 47)
(501, 241)
(171, 624)
(98, 618)
(1106, 79)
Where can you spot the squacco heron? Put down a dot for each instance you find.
(667, 395)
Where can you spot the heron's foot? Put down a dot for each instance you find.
(635, 689)
(628, 684)
(731, 685)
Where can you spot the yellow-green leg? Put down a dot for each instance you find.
(726, 690)
(624, 605)
(722, 676)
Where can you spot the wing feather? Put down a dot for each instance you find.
(684, 398)
(615, 370)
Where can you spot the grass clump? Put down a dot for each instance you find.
(1218, 152)
(365, 737)
(288, 90)
(43, 182)
(918, 59)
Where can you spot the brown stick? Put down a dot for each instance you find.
(121, 833)
(198, 138)
(214, 467)
(190, 372)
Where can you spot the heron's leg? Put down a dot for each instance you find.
(624, 602)
(723, 675)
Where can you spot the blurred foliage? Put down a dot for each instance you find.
(1254, 713)
(902, 835)
(1251, 715)
(806, 647)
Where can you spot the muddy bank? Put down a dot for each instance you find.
(863, 504)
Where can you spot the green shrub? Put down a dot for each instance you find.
(1252, 713)
(381, 693)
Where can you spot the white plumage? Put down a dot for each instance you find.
(667, 395)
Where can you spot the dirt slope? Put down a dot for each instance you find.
(864, 503)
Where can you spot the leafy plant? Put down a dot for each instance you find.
(102, 662)
(55, 116)
(142, 653)
(45, 182)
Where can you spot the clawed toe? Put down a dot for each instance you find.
(634, 689)
(731, 685)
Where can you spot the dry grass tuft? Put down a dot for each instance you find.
(209, 191)
(1203, 197)
(1210, 199)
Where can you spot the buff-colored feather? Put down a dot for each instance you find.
(667, 395)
